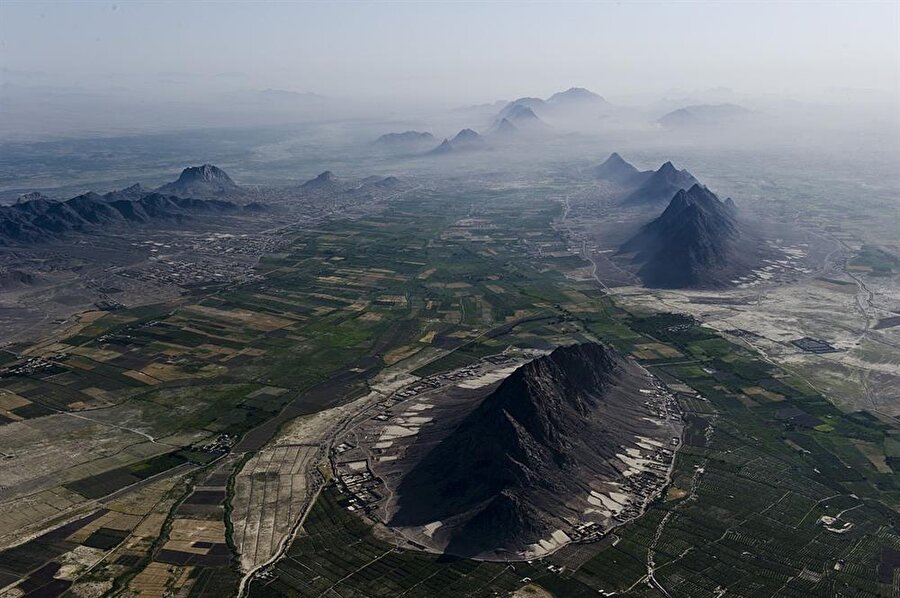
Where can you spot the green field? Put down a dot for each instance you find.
(462, 276)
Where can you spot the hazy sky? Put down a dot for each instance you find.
(460, 51)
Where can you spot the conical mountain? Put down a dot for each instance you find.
(324, 181)
(576, 96)
(661, 186)
(502, 478)
(694, 243)
(465, 140)
(616, 170)
(200, 181)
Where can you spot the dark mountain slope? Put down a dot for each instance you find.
(500, 480)
(200, 181)
(43, 220)
(616, 170)
(696, 242)
(661, 186)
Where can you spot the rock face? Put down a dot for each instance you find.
(693, 244)
(41, 220)
(616, 170)
(200, 181)
(521, 464)
(660, 186)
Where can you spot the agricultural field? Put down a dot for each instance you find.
(172, 449)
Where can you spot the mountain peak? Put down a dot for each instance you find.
(691, 244)
(504, 126)
(200, 180)
(511, 471)
(32, 196)
(661, 186)
(466, 135)
(615, 169)
(206, 173)
(324, 180)
(578, 95)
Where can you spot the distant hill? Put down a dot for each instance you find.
(328, 185)
(660, 186)
(533, 104)
(200, 181)
(520, 121)
(465, 140)
(703, 115)
(573, 103)
(616, 170)
(577, 96)
(42, 220)
(407, 140)
(504, 128)
(510, 473)
(324, 181)
(522, 115)
(131, 193)
(693, 244)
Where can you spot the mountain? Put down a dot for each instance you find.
(576, 96)
(407, 140)
(522, 463)
(703, 115)
(32, 196)
(505, 128)
(388, 183)
(693, 244)
(661, 186)
(467, 137)
(519, 118)
(533, 104)
(130, 193)
(445, 147)
(616, 170)
(325, 181)
(520, 114)
(465, 140)
(42, 220)
(200, 181)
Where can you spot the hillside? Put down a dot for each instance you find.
(529, 455)
(660, 186)
(41, 220)
(693, 244)
(200, 181)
